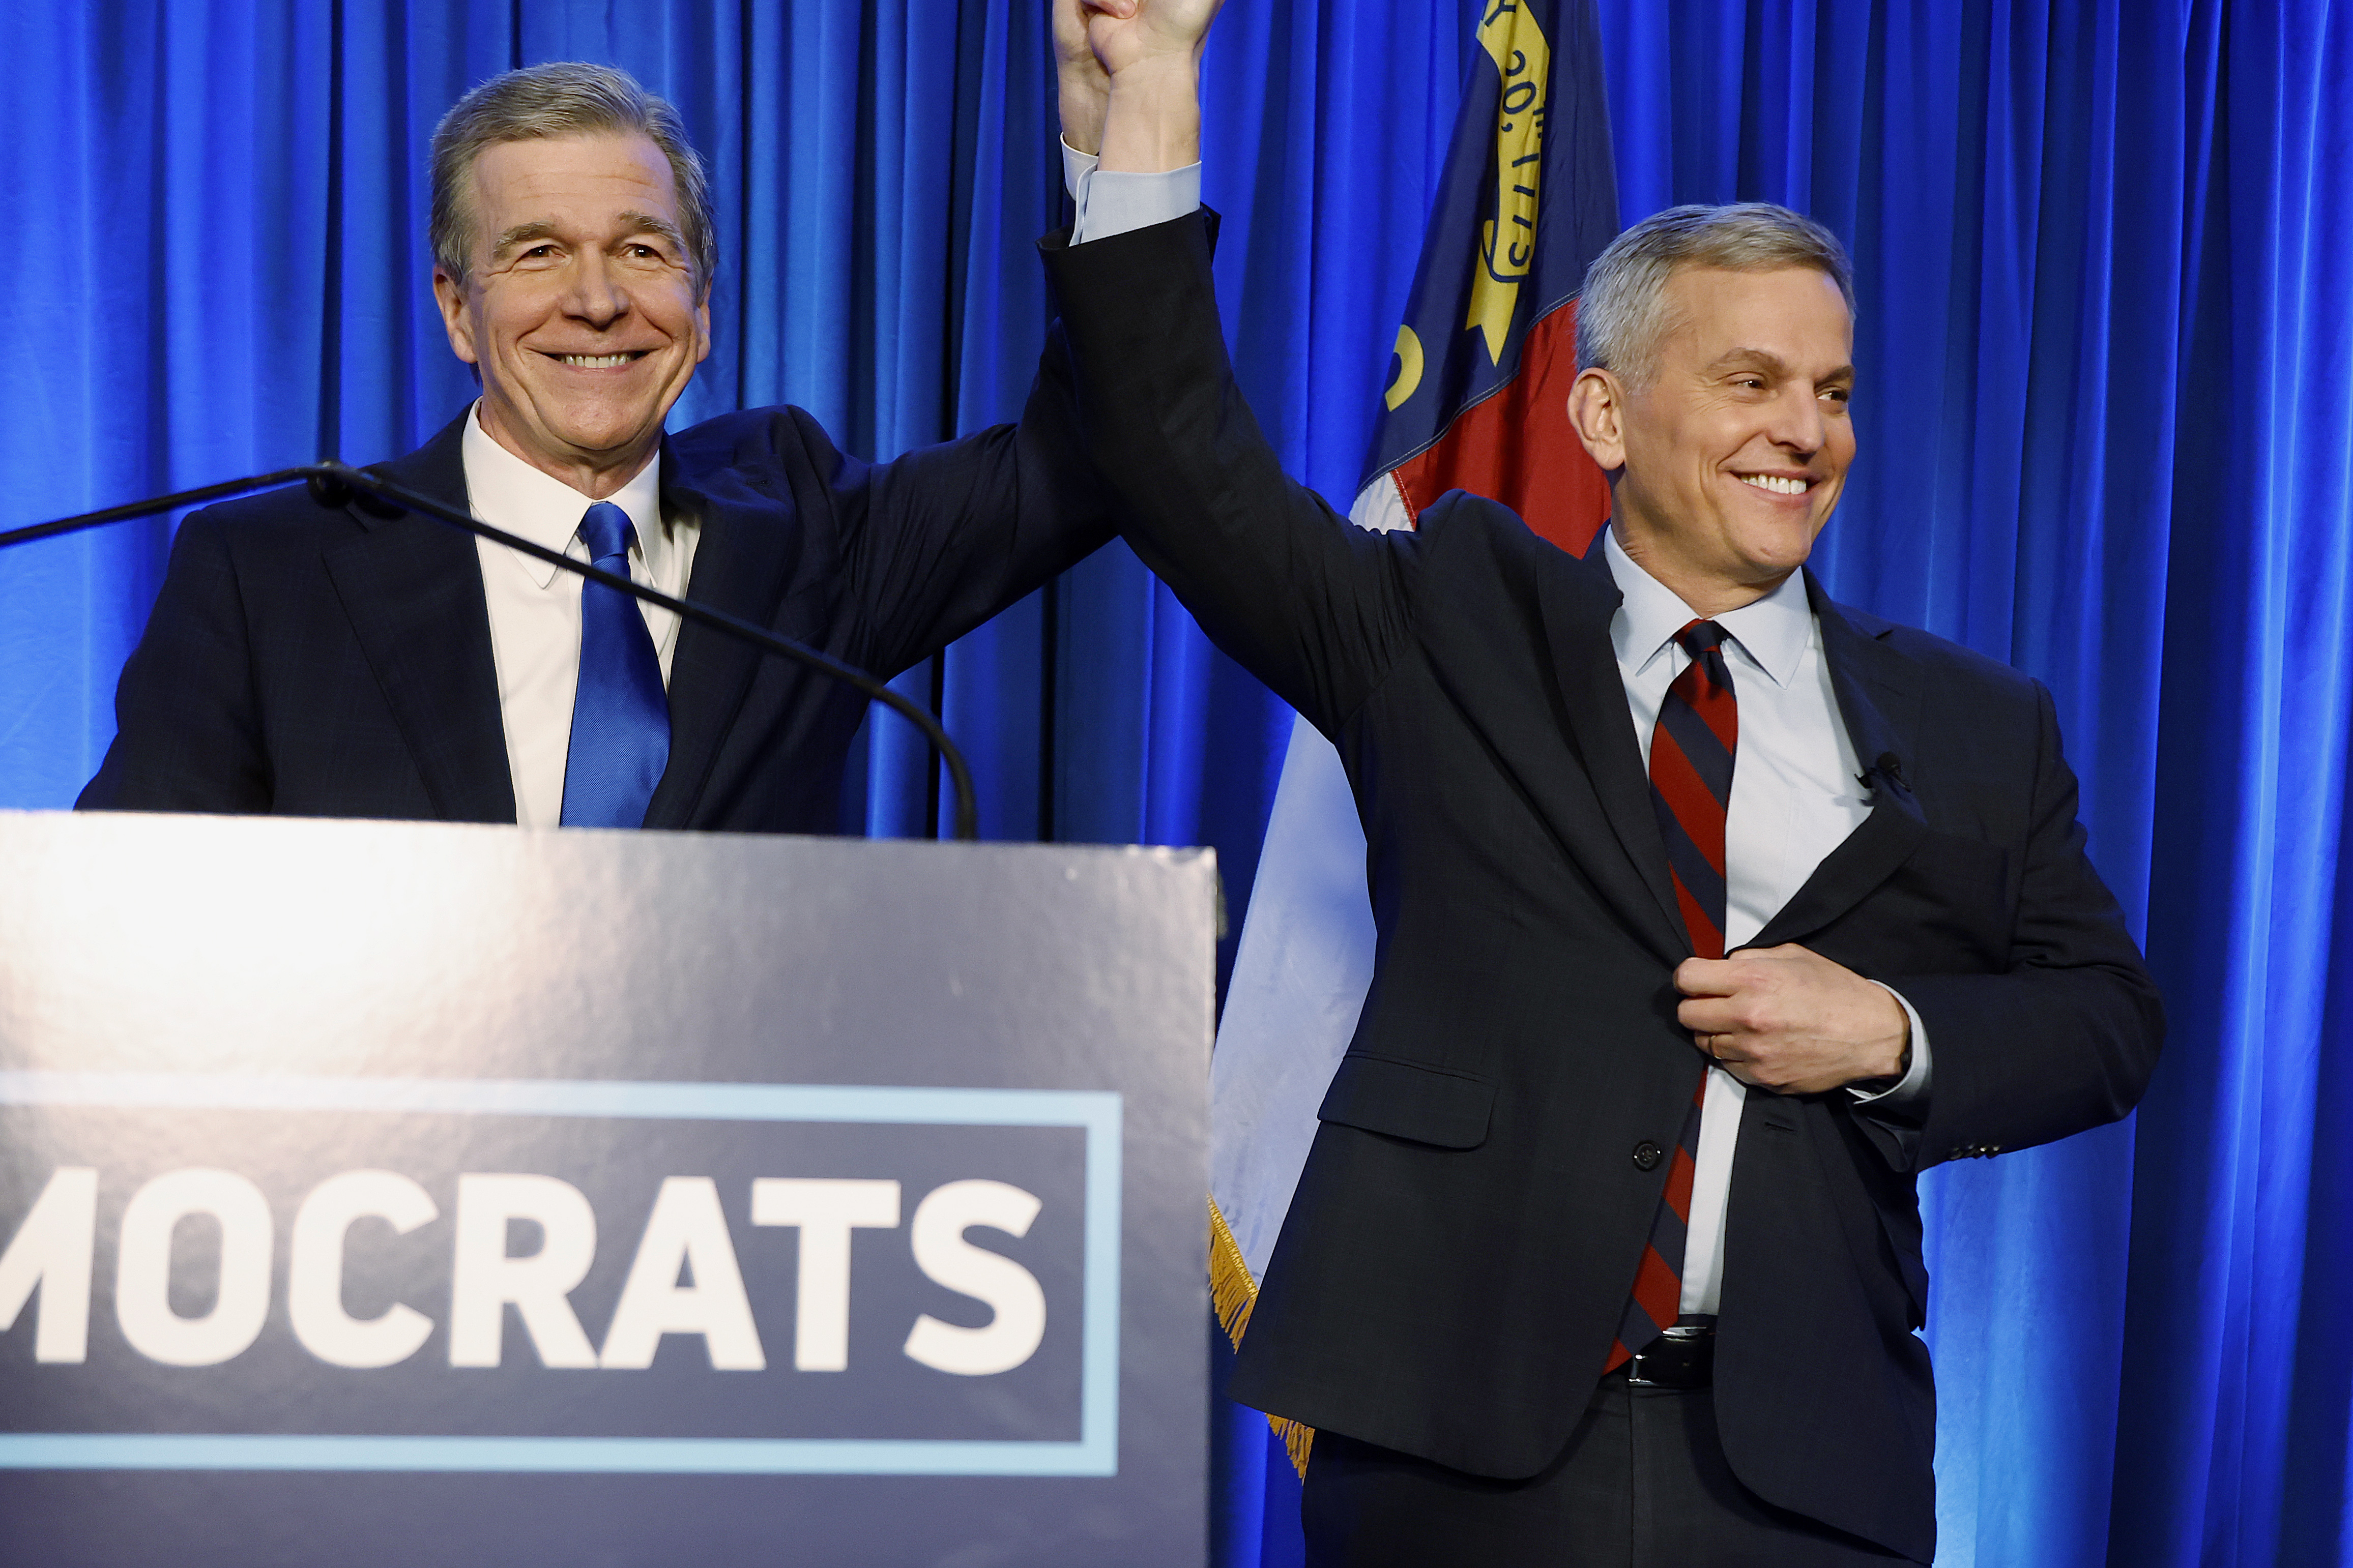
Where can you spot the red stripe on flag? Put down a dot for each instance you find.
(1518, 446)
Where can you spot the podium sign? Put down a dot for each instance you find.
(380, 1193)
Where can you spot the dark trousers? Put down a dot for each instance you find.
(1643, 1484)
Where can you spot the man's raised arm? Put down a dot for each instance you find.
(1311, 605)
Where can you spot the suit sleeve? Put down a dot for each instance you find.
(2066, 1040)
(1315, 607)
(937, 541)
(187, 730)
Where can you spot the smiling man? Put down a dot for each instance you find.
(567, 280)
(1710, 913)
(311, 660)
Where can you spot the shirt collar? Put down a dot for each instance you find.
(506, 492)
(1774, 632)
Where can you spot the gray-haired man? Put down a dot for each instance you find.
(327, 661)
(1607, 1250)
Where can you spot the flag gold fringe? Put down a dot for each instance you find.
(1233, 1291)
(1232, 1294)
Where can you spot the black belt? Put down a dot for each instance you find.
(1683, 1357)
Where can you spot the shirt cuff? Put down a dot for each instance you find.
(1110, 202)
(1076, 166)
(1908, 1096)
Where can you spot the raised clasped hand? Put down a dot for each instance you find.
(1126, 34)
(1129, 78)
(1084, 84)
(1789, 1020)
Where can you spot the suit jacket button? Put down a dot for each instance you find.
(1646, 1155)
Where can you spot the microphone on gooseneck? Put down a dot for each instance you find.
(337, 485)
(330, 489)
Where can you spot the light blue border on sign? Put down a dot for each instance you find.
(1098, 1112)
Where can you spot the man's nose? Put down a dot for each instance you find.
(1798, 423)
(595, 297)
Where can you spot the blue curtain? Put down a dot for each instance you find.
(2107, 421)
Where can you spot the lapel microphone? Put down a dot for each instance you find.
(1888, 769)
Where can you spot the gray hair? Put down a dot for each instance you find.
(1622, 314)
(567, 98)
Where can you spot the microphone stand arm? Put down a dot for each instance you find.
(332, 484)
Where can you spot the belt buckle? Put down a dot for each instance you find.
(1684, 1356)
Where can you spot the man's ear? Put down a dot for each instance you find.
(451, 295)
(1597, 410)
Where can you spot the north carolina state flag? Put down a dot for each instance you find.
(1478, 393)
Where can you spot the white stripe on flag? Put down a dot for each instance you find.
(1300, 976)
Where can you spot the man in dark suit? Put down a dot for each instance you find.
(331, 661)
(1710, 912)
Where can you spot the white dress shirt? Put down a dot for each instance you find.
(1794, 800)
(535, 607)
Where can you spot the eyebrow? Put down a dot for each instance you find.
(1767, 359)
(544, 228)
(521, 234)
(649, 223)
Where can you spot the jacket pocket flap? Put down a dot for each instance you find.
(1405, 1100)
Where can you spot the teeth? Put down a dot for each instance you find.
(1777, 485)
(596, 362)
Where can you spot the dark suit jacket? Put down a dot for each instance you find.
(1467, 1226)
(325, 662)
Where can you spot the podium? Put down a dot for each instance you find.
(398, 1194)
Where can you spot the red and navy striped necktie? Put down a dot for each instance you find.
(1690, 789)
(1691, 781)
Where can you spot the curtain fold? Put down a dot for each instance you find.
(2106, 418)
(2237, 1306)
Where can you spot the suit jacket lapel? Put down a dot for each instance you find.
(413, 588)
(740, 562)
(1579, 599)
(1878, 690)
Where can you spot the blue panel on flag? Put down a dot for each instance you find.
(1528, 198)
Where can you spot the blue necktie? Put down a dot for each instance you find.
(620, 715)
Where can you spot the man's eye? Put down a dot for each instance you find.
(1837, 395)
